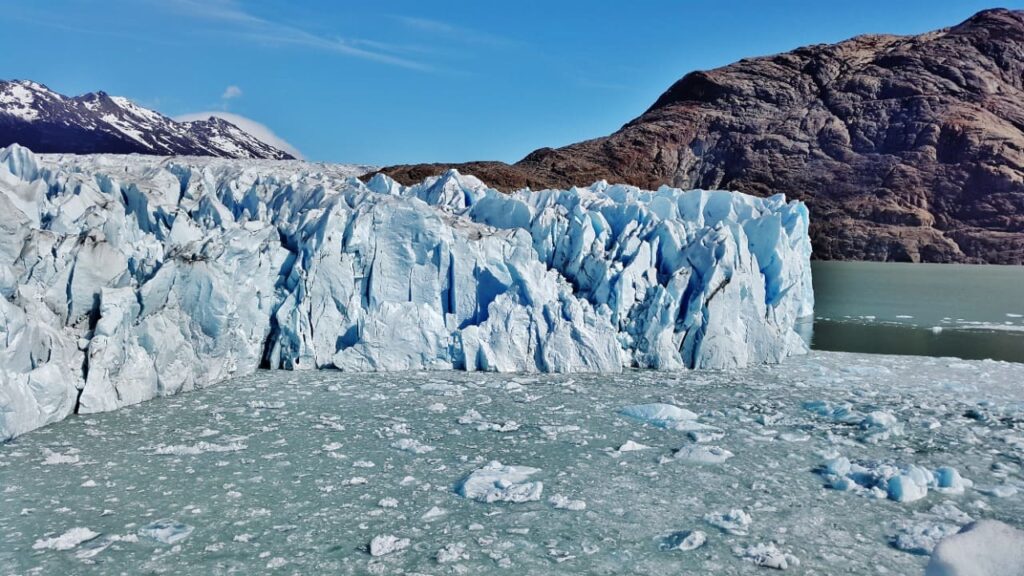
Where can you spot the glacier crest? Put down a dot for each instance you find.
(124, 278)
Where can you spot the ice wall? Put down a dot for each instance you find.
(124, 278)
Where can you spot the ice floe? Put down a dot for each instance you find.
(166, 531)
(387, 544)
(496, 482)
(65, 541)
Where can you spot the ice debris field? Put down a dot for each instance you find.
(125, 278)
(829, 463)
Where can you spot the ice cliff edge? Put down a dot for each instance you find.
(124, 278)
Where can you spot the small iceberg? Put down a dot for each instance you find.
(664, 416)
(496, 482)
(166, 531)
(67, 540)
(684, 540)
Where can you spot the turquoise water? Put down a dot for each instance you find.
(973, 312)
(298, 472)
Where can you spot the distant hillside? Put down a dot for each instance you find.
(44, 121)
(905, 148)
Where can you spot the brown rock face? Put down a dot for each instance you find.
(906, 148)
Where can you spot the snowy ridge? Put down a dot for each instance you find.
(35, 116)
(125, 278)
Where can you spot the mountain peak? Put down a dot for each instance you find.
(35, 116)
(905, 148)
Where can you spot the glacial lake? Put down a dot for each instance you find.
(972, 312)
(302, 472)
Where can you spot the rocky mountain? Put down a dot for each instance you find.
(43, 120)
(907, 148)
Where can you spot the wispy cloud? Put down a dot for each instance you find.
(450, 31)
(255, 28)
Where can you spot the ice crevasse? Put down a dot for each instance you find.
(128, 277)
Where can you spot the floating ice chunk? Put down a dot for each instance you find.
(65, 541)
(838, 466)
(453, 552)
(983, 548)
(1000, 491)
(94, 547)
(265, 405)
(496, 482)
(768, 556)
(660, 415)
(166, 531)
(412, 445)
(702, 454)
(948, 480)
(921, 538)
(899, 482)
(197, 448)
(565, 503)
(839, 413)
(555, 430)
(906, 488)
(880, 425)
(631, 446)
(387, 503)
(433, 514)
(387, 544)
(53, 458)
(735, 521)
(474, 418)
(685, 540)
(442, 389)
(705, 435)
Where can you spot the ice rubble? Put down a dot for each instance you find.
(125, 278)
(899, 482)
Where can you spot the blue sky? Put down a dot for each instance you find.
(388, 82)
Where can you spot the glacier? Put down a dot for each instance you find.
(129, 277)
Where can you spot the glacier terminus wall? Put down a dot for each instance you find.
(124, 278)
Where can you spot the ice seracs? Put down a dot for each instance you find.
(125, 278)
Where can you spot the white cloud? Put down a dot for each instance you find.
(249, 125)
(231, 92)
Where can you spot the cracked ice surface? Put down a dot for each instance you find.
(125, 278)
(317, 477)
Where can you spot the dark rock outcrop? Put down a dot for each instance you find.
(907, 148)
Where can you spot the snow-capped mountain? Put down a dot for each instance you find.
(35, 116)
